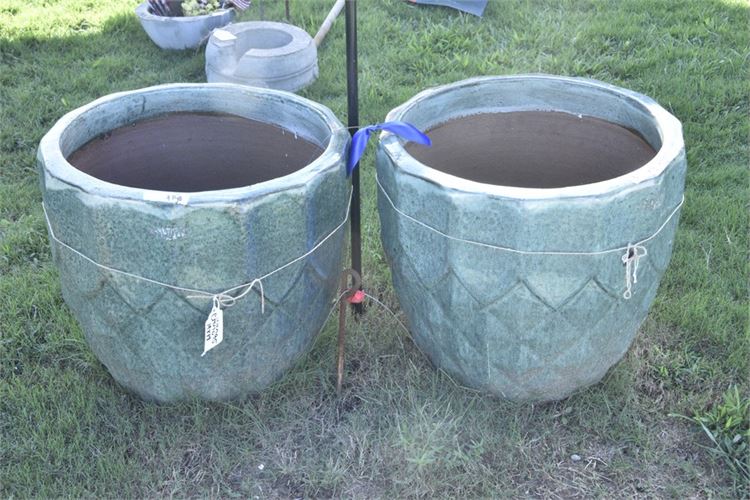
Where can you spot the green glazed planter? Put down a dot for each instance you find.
(520, 291)
(151, 337)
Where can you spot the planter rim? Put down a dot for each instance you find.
(57, 166)
(143, 13)
(668, 126)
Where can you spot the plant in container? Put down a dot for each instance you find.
(176, 24)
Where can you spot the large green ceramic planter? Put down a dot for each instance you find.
(151, 337)
(482, 298)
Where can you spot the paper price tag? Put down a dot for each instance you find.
(214, 328)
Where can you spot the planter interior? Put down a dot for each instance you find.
(189, 152)
(263, 39)
(535, 140)
(154, 141)
(533, 149)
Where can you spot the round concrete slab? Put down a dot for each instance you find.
(262, 54)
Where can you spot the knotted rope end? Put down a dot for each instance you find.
(631, 258)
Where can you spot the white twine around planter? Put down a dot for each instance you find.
(634, 252)
(220, 300)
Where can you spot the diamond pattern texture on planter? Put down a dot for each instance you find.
(150, 337)
(516, 340)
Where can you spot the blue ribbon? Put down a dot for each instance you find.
(359, 140)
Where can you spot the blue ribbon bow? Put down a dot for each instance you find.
(359, 140)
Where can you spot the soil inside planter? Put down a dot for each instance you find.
(191, 152)
(533, 149)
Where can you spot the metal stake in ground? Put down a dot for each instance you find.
(353, 123)
(347, 295)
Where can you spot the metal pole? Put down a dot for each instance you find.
(353, 123)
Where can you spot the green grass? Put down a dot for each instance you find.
(726, 427)
(400, 428)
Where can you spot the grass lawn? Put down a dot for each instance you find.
(401, 428)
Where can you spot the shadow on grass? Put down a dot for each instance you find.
(43, 78)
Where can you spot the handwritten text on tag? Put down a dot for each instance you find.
(166, 197)
(214, 329)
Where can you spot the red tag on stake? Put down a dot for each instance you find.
(357, 297)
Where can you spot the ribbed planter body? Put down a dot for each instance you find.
(182, 32)
(523, 325)
(151, 337)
